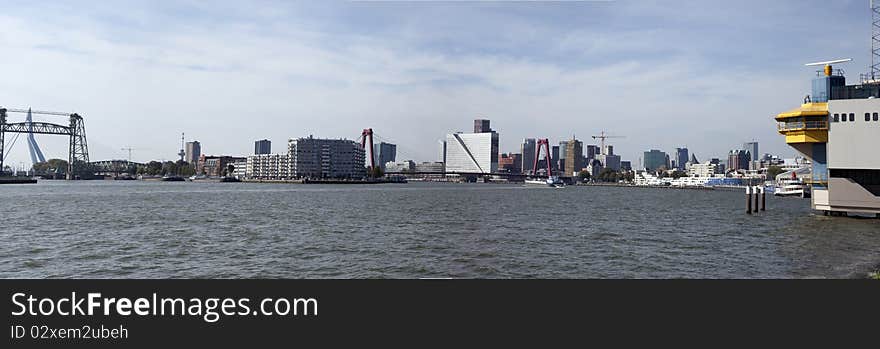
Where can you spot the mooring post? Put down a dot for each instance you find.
(756, 198)
(763, 199)
(748, 199)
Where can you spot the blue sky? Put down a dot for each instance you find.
(708, 75)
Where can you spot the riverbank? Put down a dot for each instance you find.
(642, 186)
(322, 181)
(17, 180)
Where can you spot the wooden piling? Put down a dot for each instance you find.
(748, 199)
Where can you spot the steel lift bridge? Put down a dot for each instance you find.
(78, 155)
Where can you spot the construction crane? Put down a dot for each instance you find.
(601, 137)
(129, 153)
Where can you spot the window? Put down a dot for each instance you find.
(867, 116)
(843, 117)
(836, 118)
(852, 117)
(875, 116)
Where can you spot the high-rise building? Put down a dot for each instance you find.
(681, 157)
(193, 152)
(384, 153)
(655, 159)
(262, 147)
(472, 152)
(608, 159)
(563, 145)
(626, 166)
(554, 157)
(574, 157)
(527, 149)
(482, 126)
(268, 166)
(325, 158)
(592, 151)
(752, 148)
(738, 159)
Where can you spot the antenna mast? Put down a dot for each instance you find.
(875, 40)
(182, 153)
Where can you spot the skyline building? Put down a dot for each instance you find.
(608, 159)
(738, 159)
(472, 152)
(574, 157)
(263, 146)
(482, 126)
(384, 153)
(655, 159)
(681, 157)
(752, 148)
(193, 152)
(527, 149)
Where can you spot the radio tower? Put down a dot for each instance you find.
(182, 153)
(875, 41)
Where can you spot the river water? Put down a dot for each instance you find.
(142, 229)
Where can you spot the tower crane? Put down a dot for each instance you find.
(601, 137)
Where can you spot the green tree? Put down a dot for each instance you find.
(774, 171)
(678, 174)
(376, 172)
(584, 175)
(50, 166)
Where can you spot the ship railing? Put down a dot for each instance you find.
(802, 125)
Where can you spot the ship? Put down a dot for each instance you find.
(552, 181)
(837, 129)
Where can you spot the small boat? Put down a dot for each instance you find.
(792, 187)
(167, 178)
(553, 182)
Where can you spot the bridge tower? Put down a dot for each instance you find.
(368, 133)
(78, 157)
(546, 145)
(2, 134)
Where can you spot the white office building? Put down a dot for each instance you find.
(267, 166)
(472, 152)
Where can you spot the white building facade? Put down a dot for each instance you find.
(472, 152)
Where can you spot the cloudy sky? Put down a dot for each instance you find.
(708, 75)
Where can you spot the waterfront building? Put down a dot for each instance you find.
(383, 153)
(429, 167)
(574, 157)
(472, 152)
(510, 163)
(554, 157)
(263, 146)
(837, 129)
(681, 158)
(216, 166)
(239, 169)
(738, 159)
(527, 149)
(707, 169)
(193, 152)
(655, 160)
(268, 167)
(325, 158)
(400, 166)
(563, 145)
(626, 166)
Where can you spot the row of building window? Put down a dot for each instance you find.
(852, 117)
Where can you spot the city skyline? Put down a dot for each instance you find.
(156, 70)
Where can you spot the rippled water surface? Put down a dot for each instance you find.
(136, 229)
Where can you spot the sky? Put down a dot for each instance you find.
(708, 75)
